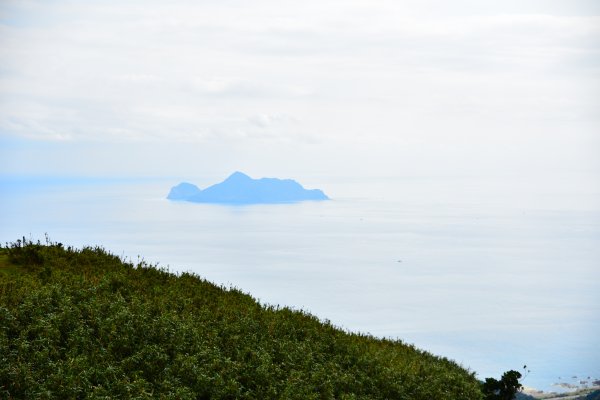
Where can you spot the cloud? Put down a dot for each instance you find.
(269, 120)
(413, 77)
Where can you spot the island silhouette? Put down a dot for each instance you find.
(239, 188)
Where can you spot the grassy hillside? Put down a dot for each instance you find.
(85, 324)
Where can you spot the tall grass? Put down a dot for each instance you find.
(82, 323)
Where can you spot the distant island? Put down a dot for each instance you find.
(240, 189)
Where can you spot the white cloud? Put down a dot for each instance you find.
(408, 76)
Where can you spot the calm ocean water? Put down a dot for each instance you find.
(493, 274)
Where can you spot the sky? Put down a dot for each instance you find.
(291, 89)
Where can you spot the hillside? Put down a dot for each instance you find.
(85, 324)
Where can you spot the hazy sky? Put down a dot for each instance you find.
(185, 88)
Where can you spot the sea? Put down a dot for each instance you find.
(496, 273)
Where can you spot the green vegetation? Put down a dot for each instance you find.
(85, 324)
(504, 389)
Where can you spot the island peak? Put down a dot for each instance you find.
(237, 175)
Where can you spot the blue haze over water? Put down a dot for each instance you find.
(492, 273)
